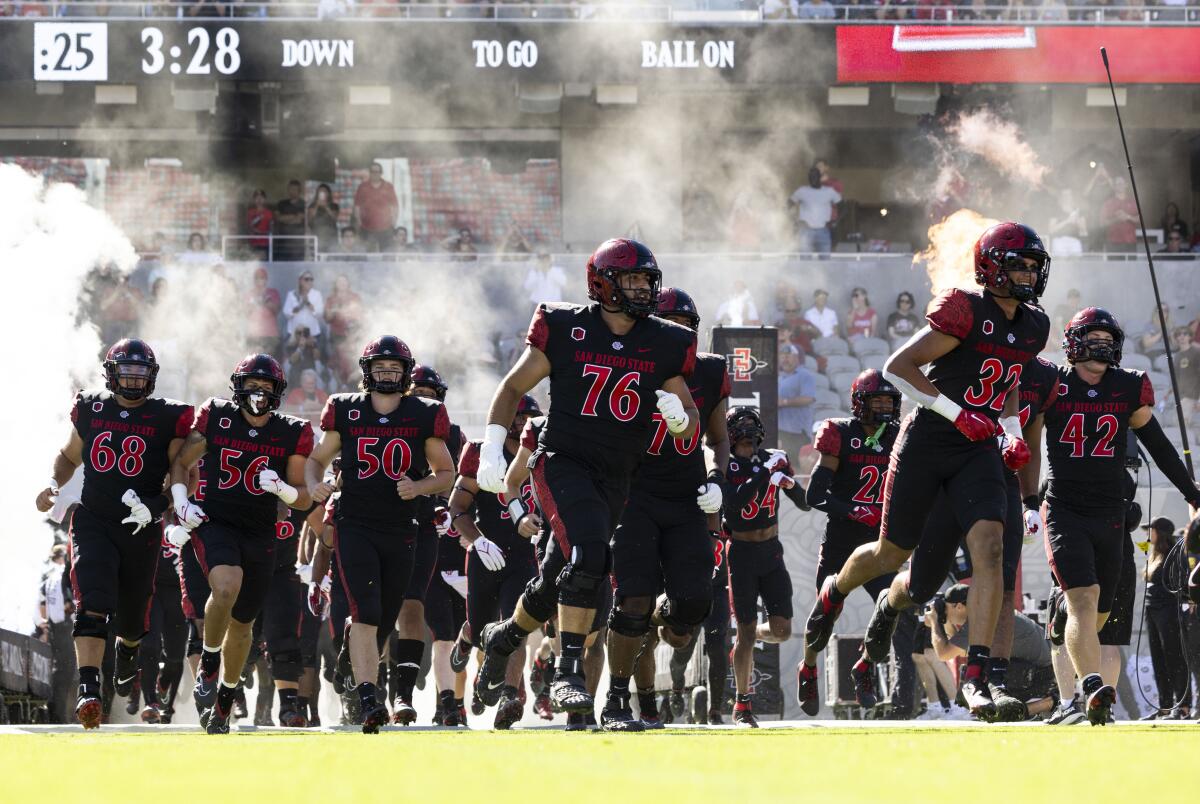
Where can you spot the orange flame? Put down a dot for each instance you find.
(949, 260)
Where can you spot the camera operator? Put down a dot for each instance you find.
(1030, 673)
(1163, 623)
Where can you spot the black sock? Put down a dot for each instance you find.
(572, 645)
(460, 702)
(834, 594)
(648, 703)
(407, 654)
(998, 671)
(1091, 683)
(743, 699)
(89, 681)
(618, 686)
(978, 657)
(287, 699)
(225, 697)
(446, 700)
(302, 703)
(125, 651)
(210, 661)
(366, 695)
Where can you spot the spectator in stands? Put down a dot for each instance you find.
(375, 210)
(158, 290)
(1150, 341)
(904, 322)
(828, 180)
(159, 246)
(797, 392)
(1171, 222)
(1164, 626)
(778, 9)
(262, 325)
(1176, 247)
(303, 353)
(739, 310)
(545, 280)
(259, 222)
(1068, 228)
(514, 244)
(306, 398)
(1064, 312)
(55, 607)
(816, 10)
(289, 222)
(461, 243)
(197, 252)
(322, 217)
(820, 316)
(401, 242)
(343, 316)
(205, 8)
(862, 318)
(304, 307)
(119, 303)
(1187, 369)
(814, 210)
(1119, 218)
(349, 243)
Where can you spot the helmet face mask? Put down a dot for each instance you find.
(866, 388)
(258, 384)
(527, 409)
(744, 424)
(1080, 343)
(1001, 250)
(130, 369)
(392, 379)
(611, 273)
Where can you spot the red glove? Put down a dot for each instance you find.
(1015, 454)
(977, 427)
(318, 598)
(869, 515)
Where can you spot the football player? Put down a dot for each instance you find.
(755, 558)
(253, 459)
(847, 484)
(660, 543)
(125, 439)
(393, 450)
(166, 645)
(1086, 429)
(611, 365)
(976, 344)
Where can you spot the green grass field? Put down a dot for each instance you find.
(841, 764)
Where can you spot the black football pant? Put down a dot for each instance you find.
(113, 571)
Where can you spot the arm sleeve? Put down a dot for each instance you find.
(1167, 459)
(739, 496)
(796, 495)
(819, 496)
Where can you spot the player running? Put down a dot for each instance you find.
(755, 558)
(976, 344)
(125, 439)
(661, 542)
(1086, 502)
(393, 451)
(611, 365)
(847, 484)
(248, 449)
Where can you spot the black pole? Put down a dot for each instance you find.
(1162, 321)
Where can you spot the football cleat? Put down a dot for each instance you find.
(979, 699)
(541, 706)
(715, 718)
(576, 722)
(676, 708)
(239, 704)
(1009, 709)
(489, 683)
(89, 710)
(878, 641)
(205, 691)
(863, 673)
(450, 717)
(700, 715)
(125, 673)
(151, 714)
(540, 674)
(1056, 617)
(1099, 706)
(653, 723)
(508, 712)
(806, 690)
(825, 612)
(292, 719)
(743, 715)
(477, 707)
(618, 716)
(460, 654)
(403, 713)
(1067, 715)
(217, 721)
(373, 717)
(568, 694)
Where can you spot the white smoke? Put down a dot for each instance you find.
(50, 239)
(1000, 144)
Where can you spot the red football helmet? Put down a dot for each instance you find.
(1075, 341)
(129, 352)
(261, 367)
(428, 377)
(1000, 249)
(869, 384)
(391, 348)
(744, 422)
(616, 257)
(673, 301)
(528, 406)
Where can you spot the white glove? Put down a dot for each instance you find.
(671, 408)
(442, 521)
(709, 498)
(489, 553)
(190, 515)
(139, 514)
(304, 573)
(457, 582)
(492, 466)
(778, 458)
(177, 536)
(269, 481)
(782, 480)
(1033, 525)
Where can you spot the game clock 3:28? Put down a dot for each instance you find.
(204, 52)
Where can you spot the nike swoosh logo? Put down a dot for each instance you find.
(1114, 396)
(644, 349)
(123, 681)
(494, 686)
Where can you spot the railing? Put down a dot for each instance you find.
(713, 11)
(270, 247)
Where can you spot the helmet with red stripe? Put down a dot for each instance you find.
(744, 423)
(130, 352)
(427, 377)
(527, 409)
(387, 347)
(257, 401)
(1078, 347)
(673, 301)
(1001, 249)
(614, 259)
(868, 385)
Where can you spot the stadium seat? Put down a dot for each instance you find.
(811, 363)
(862, 346)
(841, 381)
(874, 361)
(839, 363)
(831, 346)
(821, 380)
(827, 397)
(1136, 362)
(825, 411)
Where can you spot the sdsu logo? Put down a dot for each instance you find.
(988, 327)
(352, 414)
(225, 424)
(742, 364)
(97, 407)
(855, 443)
(578, 334)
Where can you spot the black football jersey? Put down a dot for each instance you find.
(125, 448)
(287, 536)
(978, 373)
(674, 467)
(378, 449)
(1039, 388)
(602, 386)
(762, 510)
(452, 557)
(237, 451)
(491, 510)
(1087, 428)
(862, 468)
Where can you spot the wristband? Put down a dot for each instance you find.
(716, 476)
(454, 518)
(495, 435)
(1031, 502)
(179, 495)
(1011, 425)
(516, 510)
(287, 492)
(946, 407)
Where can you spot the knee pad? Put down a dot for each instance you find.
(90, 625)
(285, 665)
(581, 578)
(682, 615)
(626, 624)
(540, 599)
